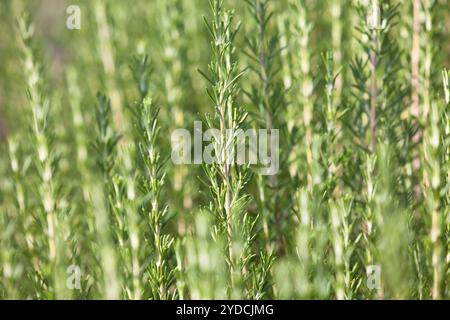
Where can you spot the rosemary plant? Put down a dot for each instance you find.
(91, 207)
(102, 196)
(227, 181)
(267, 97)
(45, 161)
(160, 271)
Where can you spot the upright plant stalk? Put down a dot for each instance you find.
(267, 96)
(283, 23)
(422, 53)
(19, 171)
(374, 16)
(370, 221)
(415, 59)
(339, 210)
(127, 202)
(332, 112)
(369, 214)
(84, 215)
(304, 239)
(111, 288)
(127, 219)
(127, 186)
(107, 59)
(117, 203)
(175, 51)
(122, 200)
(226, 181)
(173, 55)
(433, 154)
(45, 157)
(105, 145)
(289, 69)
(79, 124)
(302, 32)
(133, 222)
(16, 222)
(446, 84)
(160, 271)
(416, 79)
(380, 106)
(336, 38)
(426, 40)
(343, 247)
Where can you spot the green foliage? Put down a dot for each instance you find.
(91, 207)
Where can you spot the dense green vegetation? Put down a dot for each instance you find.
(93, 207)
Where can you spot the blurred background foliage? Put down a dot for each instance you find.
(318, 181)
